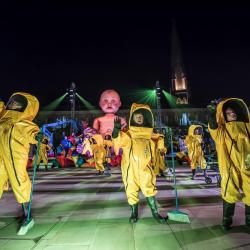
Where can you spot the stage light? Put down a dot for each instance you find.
(87, 104)
(53, 105)
(170, 98)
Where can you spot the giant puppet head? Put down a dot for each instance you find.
(110, 101)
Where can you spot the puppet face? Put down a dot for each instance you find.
(110, 102)
(230, 115)
(138, 118)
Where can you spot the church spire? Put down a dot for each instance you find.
(180, 86)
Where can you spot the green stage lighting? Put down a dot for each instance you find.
(87, 104)
(145, 96)
(170, 98)
(53, 105)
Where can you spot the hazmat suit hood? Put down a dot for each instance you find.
(30, 107)
(237, 105)
(145, 130)
(191, 134)
(238, 131)
(192, 128)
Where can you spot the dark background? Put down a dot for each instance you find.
(44, 47)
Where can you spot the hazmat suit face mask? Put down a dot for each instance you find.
(235, 111)
(230, 115)
(108, 137)
(138, 119)
(142, 118)
(17, 103)
(198, 131)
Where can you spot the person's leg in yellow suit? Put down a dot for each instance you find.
(98, 152)
(160, 165)
(193, 166)
(245, 176)
(45, 160)
(3, 178)
(133, 184)
(203, 165)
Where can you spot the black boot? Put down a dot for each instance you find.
(152, 204)
(193, 174)
(134, 213)
(106, 171)
(99, 172)
(228, 212)
(247, 213)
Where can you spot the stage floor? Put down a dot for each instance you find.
(75, 209)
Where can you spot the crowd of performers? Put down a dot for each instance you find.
(78, 150)
(136, 147)
(90, 149)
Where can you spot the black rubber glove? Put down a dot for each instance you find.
(117, 127)
(212, 114)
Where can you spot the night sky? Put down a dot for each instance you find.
(43, 48)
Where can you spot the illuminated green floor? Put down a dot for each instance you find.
(74, 209)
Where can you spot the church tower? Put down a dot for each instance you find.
(180, 87)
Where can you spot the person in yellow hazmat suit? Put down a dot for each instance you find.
(230, 129)
(2, 107)
(194, 142)
(85, 149)
(108, 145)
(42, 155)
(160, 151)
(137, 159)
(99, 153)
(17, 132)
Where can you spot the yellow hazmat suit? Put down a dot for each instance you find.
(233, 148)
(108, 144)
(160, 151)
(2, 107)
(17, 131)
(99, 151)
(87, 147)
(138, 157)
(42, 155)
(195, 152)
